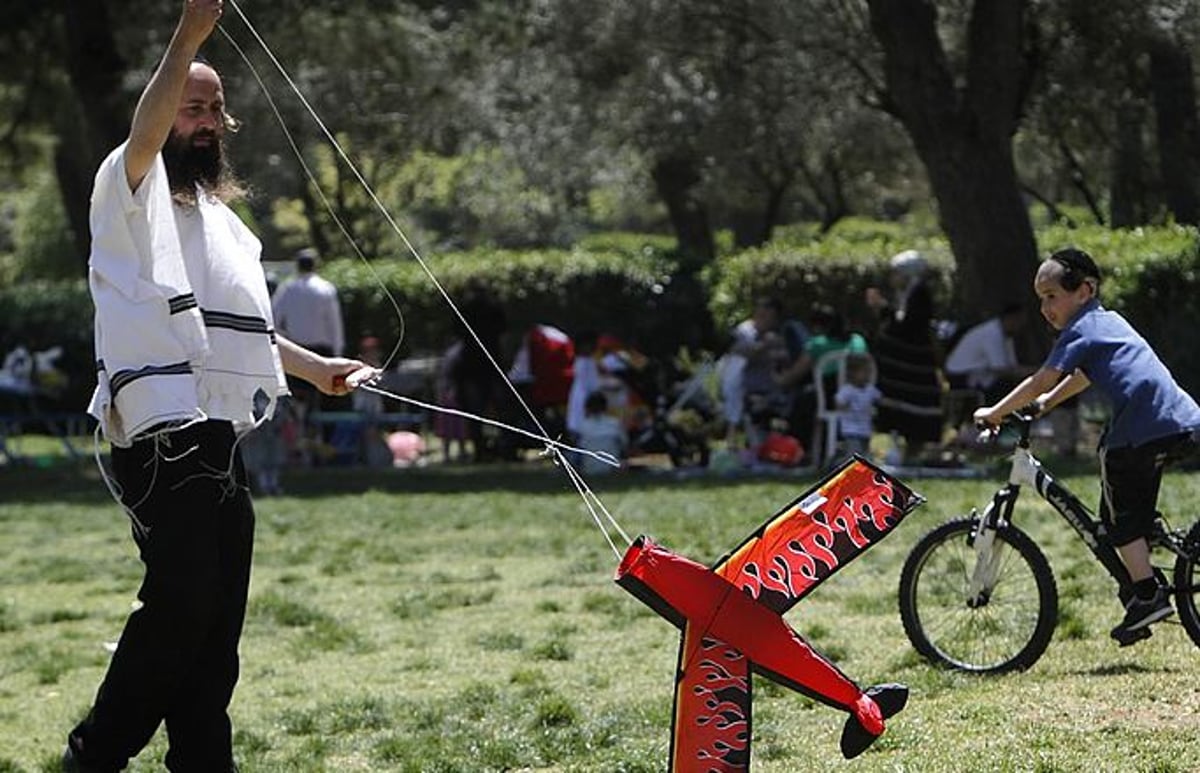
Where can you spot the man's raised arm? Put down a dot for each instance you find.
(155, 113)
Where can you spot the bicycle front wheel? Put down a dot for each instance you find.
(983, 611)
(1187, 584)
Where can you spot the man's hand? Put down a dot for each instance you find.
(347, 375)
(198, 20)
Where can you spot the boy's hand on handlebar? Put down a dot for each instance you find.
(987, 418)
(1032, 409)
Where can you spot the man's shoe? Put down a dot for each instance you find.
(1140, 613)
(71, 763)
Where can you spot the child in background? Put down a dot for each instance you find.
(264, 451)
(855, 400)
(451, 429)
(1153, 420)
(602, 432)
(585, 381)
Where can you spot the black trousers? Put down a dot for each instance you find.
(1129, 481)
(177, 659)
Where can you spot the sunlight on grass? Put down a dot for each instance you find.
(426, 622)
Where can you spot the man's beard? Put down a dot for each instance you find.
(189, 165)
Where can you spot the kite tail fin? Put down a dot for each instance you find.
(865, 722)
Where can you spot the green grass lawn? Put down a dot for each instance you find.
(466, 620)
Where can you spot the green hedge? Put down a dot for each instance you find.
(630, 285)
(834, 269)
(41, 315)
(1152, 276)
(636, 294)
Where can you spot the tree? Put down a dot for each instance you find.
(962, 121)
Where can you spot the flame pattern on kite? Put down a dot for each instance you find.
(780, 573)
(731, 619)
(717, 705)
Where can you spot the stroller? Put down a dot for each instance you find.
(667, 411)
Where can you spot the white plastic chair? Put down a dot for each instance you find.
(828, 417)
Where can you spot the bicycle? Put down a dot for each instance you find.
(977, 594)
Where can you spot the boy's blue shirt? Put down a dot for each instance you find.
(1146, 402)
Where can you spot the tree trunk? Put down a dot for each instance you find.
(753, 227)
(1127, 191)
(962, 128)
(1174, 91)
(675, 179)
(95, 70)
(982, 211)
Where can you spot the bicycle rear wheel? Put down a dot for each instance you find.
(1005, 626)
(1187, 584)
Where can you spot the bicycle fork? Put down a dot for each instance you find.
(989, 551)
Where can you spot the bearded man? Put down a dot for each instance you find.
(188, 361)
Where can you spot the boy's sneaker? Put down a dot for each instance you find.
(1140, 613)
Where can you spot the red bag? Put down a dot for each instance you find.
(781, 449)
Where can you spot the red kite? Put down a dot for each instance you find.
(731, 617)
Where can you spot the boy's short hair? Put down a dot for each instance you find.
(1078, 267)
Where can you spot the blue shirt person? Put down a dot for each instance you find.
(1153, 419)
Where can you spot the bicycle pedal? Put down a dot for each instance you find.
(1126, 638)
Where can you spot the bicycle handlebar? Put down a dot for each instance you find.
(1021, 420)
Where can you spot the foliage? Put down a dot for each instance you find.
(629, 284)
(1152, 276)
(834, 269)
(632, 293)
(43, 245)
(41, 314)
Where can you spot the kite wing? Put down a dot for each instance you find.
(710, 727)
(821, 531)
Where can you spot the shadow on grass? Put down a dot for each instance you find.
(1119, 669)
(80, 482)
(75, 482)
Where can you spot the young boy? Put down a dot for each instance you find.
(600, 431)
(1153, 420)
(856, 401)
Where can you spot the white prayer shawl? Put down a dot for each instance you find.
(183, 320)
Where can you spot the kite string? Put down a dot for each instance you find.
(312, 178)
(589, 497)
(551, 444)
(387, 215)
(590, 500)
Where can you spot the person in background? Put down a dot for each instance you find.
(363, 401)
(828, 334)
(450, 429)
(189, 360)
(855, 400)
(585, 381)
(602, 432)
(769, 344)
(906, 356)
(985, 358)
(307, 311)
(1153, 421)
(478, 387)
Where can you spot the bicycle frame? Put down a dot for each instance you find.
(1028, 471)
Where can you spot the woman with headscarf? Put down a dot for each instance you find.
(906, 356)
